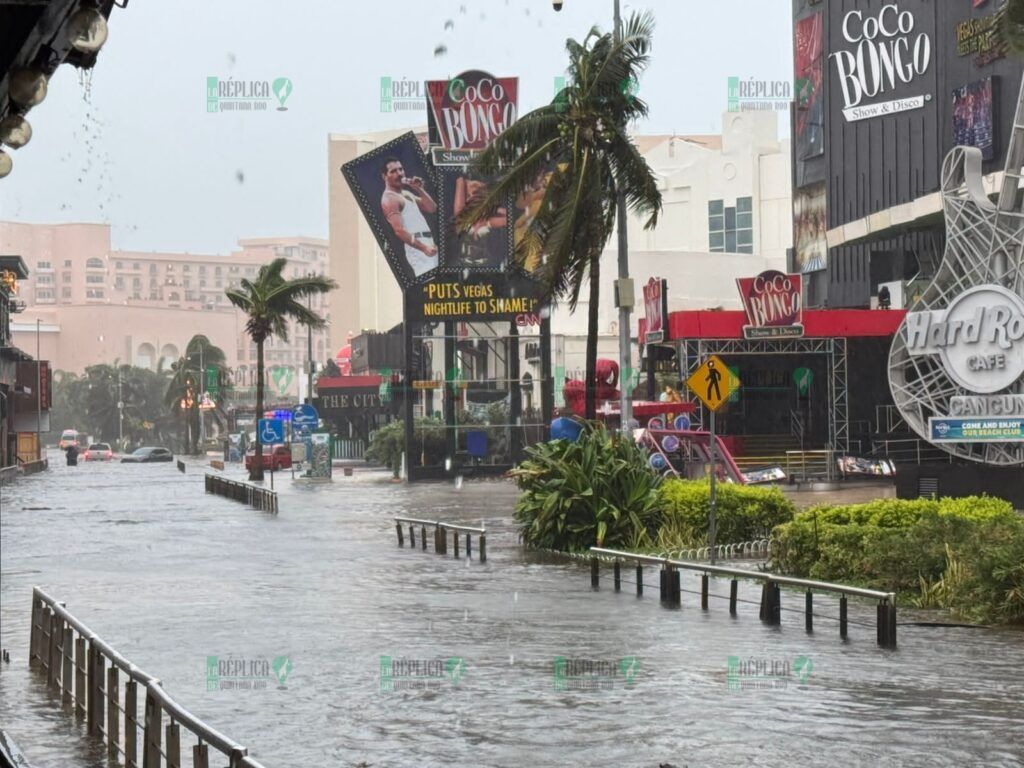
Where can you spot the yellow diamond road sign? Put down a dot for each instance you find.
(713, 382)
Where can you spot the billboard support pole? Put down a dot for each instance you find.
(515, 392)
(625, 353)
(450, 391)
(547, 385)
(711, 518)
(407, 390)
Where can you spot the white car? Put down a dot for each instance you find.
(98, 452)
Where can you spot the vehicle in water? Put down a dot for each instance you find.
(98, 452)
(148, 455)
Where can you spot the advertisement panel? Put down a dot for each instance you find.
(810, 246)
(973, 119)
(943, 430)
(488, 243)
(470, 110)
(810, 104)
(476, 297)
(773, 302)
(655, 310)
(396, 191)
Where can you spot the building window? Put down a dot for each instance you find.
(119, 283)
(120, 265)
(174, 298)
(152, 295)
(94, 293)
(202, 283)
(43, 265)
(65, 277)
(152, 269)
(217, 271)
(65, 293)
(94, 278)
(44, 280)
(186, 268)
(202, 269)
(135, 266)
(44, 295)
(94, 263)
(220, 284)
(731, 229)
(136, 283)
(67, 262)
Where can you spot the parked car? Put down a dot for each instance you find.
(275, 457)
(98, 452)
(68, 438)
(147, 455)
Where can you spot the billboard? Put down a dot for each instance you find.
(476, 297)
(774, 305)
(810, 103)
(396, 190)
(655, 310)
(973, 124)
(470, 110)
(488, 243)
(810, 246)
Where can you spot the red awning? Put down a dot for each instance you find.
(818, 323)
(347, 382)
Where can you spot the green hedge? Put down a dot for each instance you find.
(743, 513)
(969, 551)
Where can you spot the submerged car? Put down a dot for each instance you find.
(275, 458)
(98, 452)
(147, 455)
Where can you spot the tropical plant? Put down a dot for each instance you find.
(184, 394)
(579, 144)
(1012, 23)
(387, 444)
(270, 301)
(597, 491)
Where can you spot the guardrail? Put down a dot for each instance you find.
(441, 536)
(810, 464)
(771, 605)
(259, 498)
(87, 671)
(759, 548)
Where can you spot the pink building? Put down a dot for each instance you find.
(98, 305)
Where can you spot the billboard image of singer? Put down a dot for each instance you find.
(397, 194)
(486, 245)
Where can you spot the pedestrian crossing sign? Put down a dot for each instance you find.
(713, 382)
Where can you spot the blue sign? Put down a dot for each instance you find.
(305, 415)
(976, 430)
(281, 415)
(271, 431)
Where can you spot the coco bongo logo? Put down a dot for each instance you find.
(774, 305)
(979, 338)
(889, 52)
(470, 110)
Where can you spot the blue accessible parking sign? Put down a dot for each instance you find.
(271, 431)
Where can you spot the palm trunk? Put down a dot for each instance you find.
(257, 459)
(592, 317)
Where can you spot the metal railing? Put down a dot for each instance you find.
(771, 605)
(87, 671)
(259, 498)
(759, 548)
(441, 536)
(810, 464)
(349, 448)
(909, 450)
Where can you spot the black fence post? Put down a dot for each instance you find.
(809, 611)
(842, 617)
(618, 577)
(639, 579)
(892, 623)
(483, 548)
(673, 583)
(401, 539)
(595, 573)
(704, 591)
(423, 536)
(663, 573)
(733, 590)
(412, 536)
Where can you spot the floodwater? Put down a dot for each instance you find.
(170, 576)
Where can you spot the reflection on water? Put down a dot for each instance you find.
(170, 576)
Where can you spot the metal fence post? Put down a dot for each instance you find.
(52, 666)
(131, 724)
(639, 579)
(842, 617)
(469, 547)
(151, 736)
(95, 686)
(398, 528)
(704, 591)
(67, 653)
(80, 676)
(809, 611)
(455, 544)
(200, 756)
(733, 594)
(595, 573)
(618, 576)
(423, 537)
(412, 536)
(173, 745)
(483, 548)
(113, 714)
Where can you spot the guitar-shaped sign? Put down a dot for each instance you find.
(956, 367)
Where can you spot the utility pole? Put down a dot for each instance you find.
(120, 413)
(39, 398)
(309, 352)
(625, 303)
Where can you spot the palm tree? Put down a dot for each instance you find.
(270, 301)
(183, 396)
(1012, 23)
(580, 143)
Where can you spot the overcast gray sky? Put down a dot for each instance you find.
(142, 153)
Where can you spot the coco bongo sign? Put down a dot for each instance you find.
(774, 305)
(469, 111)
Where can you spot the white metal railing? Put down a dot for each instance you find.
(87, 670)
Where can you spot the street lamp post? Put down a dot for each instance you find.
(39, 398)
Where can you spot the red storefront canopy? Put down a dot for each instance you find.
(818, 323)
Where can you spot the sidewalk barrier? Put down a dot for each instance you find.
(87, 673)
(771, 602)
(258, 498)
(441, 531)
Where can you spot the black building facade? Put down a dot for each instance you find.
(885, 89)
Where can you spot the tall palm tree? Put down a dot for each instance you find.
(1012, 23)
(581, 140)
(183, 396)
(270, 301)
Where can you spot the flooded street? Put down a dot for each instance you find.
(170, 576)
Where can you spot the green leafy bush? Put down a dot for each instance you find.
(388, 443)
(597, 491)
(966, 555)
(743, 513)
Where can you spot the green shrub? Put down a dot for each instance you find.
(597, 491)
(388, 443)
(744, 513)
(965, 554)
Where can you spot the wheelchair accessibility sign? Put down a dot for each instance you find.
(271, 431)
